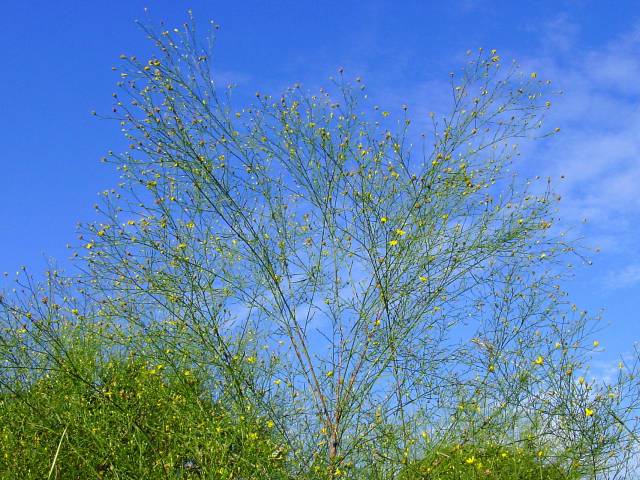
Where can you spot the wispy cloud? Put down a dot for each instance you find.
(599, 153)
(626, 277)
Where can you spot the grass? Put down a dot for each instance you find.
(488, 461)
(124, 418)
(132, 420)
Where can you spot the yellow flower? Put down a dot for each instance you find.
(251, 360)
(588, 412)
(470, 460)
(581, 380)
(539, 360)
(422, 278)
(596, 343)
(330, 374)
(400, 232)
(393, 243)
(383, 219)
(534, 74)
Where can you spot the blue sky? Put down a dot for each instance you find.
(57, 68)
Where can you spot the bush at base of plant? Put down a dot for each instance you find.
(132, 421)
(489, 462)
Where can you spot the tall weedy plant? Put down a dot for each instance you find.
(376, 301)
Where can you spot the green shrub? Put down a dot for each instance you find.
(132, 420)
(490, 462)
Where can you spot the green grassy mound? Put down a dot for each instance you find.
(131, 421)
(489, 462)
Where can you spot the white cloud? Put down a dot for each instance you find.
(599, 151)
(559, 35)
(626, 277)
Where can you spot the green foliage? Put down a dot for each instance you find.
(489, 462)
(131, 420)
